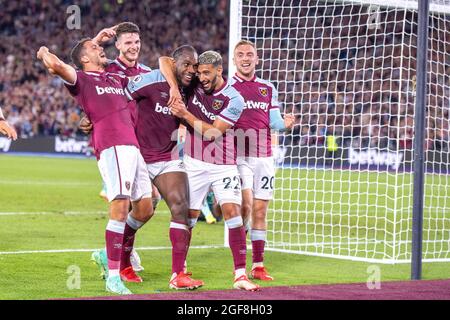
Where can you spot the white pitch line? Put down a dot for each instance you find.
(49, 183)
(67, 213)
(75, 213)
(91, 250)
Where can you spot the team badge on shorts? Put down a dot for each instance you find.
(127, 185)
(217, 104)
(263, 91)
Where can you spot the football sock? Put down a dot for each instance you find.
(237, 241)
(179, 236)
(114, 239)
(131, 226)
(258, 238)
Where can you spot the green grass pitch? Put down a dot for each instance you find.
(51, 217)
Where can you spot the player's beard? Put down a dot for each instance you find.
(212, 86)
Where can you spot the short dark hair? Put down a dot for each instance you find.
(178, 52)
(127, 27)
(77, 52)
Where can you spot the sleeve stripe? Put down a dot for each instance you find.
(227, 120)
(128, 94)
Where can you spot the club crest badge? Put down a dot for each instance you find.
(127, 185)
(217, 104)
(263, 91)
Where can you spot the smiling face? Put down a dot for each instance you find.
(246, 59)
(186, 68)
(210, 77)
(93, 54)
(129, 45)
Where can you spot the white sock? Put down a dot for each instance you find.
(238, 273)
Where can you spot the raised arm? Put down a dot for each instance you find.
(57, 67)
(105, 35)
(167, 67)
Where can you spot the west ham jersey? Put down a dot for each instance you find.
(226, 104)
(156, 127)
(103, 99)
(117, 66)
(253, 132)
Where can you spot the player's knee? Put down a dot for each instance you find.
(231, 210)
(246, 209)
(179, 210)
(143, 211)
(259, 215)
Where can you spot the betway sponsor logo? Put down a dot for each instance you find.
(161, 109)
(256, 105)
(205, 111)
(70, 145)
(103, 90)
(375, 157)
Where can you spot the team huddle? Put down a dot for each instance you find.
(135, 114)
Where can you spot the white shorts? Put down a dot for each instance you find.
(158, 168)
(124, 173)
(223, 179)
(257, 174)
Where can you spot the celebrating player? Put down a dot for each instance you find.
(255, 162)
(6, 129)
(155, 129)
(213, 107)
(128, 43)
(120, 162)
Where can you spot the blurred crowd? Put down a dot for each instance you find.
(349, 72)
(345, 71)
(36, 103)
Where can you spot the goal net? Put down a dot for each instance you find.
(346, 69)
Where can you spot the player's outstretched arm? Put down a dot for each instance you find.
(167, 67)
(209, 131)
(6, 129)
(57, 67)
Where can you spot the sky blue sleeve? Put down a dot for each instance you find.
(137, 84)
(233, 111)
(276, 120)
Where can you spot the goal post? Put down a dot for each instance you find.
(347, 69)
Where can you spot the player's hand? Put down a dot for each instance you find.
(42, 50)
(105, 35)
(174, 97)
(178, 109)
(7, 130)
(85, 125)
(289, 120)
